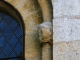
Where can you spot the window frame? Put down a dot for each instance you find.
(8, 9)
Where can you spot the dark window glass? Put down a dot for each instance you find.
(11, 38)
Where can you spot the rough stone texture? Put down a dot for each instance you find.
(66, 8)
(66, 27)
(45, 38)
(66, 51)
(47, 52)
(45, 32)
(32, 16)
(47, 10)
(34, 58)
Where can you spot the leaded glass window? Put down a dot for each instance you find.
(11, 38)
(11, 33)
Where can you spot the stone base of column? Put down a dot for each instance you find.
(46, 52)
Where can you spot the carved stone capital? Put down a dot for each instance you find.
(45, 32)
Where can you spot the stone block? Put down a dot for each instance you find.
(66, 8)
(66, 51)
(66, 30)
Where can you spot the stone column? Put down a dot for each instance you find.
(46, 7)
(45, 38)
(45, 33)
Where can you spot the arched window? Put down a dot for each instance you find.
(11, 33)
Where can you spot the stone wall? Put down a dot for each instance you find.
(66, 29)
(32, 16)
(66, 21)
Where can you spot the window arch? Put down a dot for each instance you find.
(11, 33)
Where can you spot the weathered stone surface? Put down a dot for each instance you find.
(45, 32)
(47, 10)
(30, 43)
(45, 38)
(34, 58)
(66, 29)
(66, 8)
(32, 17)
(47, 52)
(66, 51)
(31, 14)
(32, 21)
